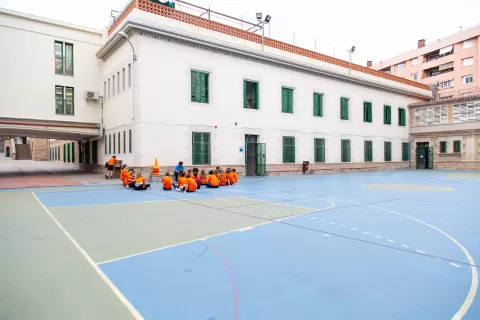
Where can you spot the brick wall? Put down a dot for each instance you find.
(457, 165)
(39, 149)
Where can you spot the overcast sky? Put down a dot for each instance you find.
(379, 29)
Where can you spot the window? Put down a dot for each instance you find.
(250, 94)
(63, 58)
(113, 134)
(200, 148)
(199, 86)
(388, 151)
(367, 112)
(344, 108)
(431, 115)
(405, 151)
(105, 89)
(368, 151)
(318, 105)
(401, 66)
(64, 100)
(319, 150)
(288, 149)
(109, 144)
(467, 79)
(119, 150)
(129, 75)
(467, 44)
(387, 115)
(457, 146)
(64, 153)
(108, 88)
(113, 86)
(443, 146)
(415, 76)
(68, 152)
(118, 81)
(402, 117)
(105, 143)
(467, 62)
(414, 61)
(345, 144)
(123, 79)
(446, 84)
(466, 112)
(287, 100)
(124, 142)
(130, 141)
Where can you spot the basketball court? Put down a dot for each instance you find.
(381, 245)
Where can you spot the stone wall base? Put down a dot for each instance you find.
(457, 165)
(319, 168)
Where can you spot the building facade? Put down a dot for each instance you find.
(446, 134)
(451, 64)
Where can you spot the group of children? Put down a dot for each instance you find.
(190, 181)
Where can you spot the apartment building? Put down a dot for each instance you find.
(451, 64)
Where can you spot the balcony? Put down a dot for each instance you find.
(435, 71)
(446, 94)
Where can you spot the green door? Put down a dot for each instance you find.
(421, 157)
(430, 157)
(261, 159)
(7, 152)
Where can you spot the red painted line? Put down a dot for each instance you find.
(226, 264)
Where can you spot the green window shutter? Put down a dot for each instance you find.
(315, 105)
(80, 153)
(457, 146)
(405, 151)
(318, 105)
(345, 146)
(367, 112)
(257, 90)
(370, 113)
(387, 151)
(119, 149)
(287, 100)
(58, 153)
(94, 152)
(288, 149)
(402, 117)
(368, 151)
(200, 148)
(113, 134)
(109, 144)
(68, 152)
(124, 142)
(344, 108)
(199, 86)
(130, 141)
(443, 146)
(64, 153)
(105, 143)
(73, 152)
(245, 94)
(319, 147)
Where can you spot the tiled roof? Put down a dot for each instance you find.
(452, 132)
(439, 101)
(165, 11)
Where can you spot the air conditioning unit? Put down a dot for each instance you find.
(91, 95)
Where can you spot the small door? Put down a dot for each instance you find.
(261, 159)
(250, 154)
(7, 152)
(430, 157)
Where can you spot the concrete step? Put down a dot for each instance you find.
(23, 152)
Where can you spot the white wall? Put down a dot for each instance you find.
(27, 64)
(167, 116)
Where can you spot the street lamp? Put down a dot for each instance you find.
(125, 36)
(262, 23)
(350, 52)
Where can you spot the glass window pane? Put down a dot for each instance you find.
(59, 102)
(69, 59)
(69, 109)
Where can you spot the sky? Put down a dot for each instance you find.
(380, 29)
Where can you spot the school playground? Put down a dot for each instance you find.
(379, 245)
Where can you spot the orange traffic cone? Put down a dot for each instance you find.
(156, 169)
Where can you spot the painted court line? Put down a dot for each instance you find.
(405, 246)
(454, 264)
(390, 240)
(109, 283)
(420, 251)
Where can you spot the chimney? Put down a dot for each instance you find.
(421, 43)
(369, 63)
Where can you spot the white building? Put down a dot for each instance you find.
(201, 87)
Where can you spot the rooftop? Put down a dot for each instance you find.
(440, 101)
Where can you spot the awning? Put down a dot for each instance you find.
(445, 66)
(446, 50)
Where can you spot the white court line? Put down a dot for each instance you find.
(366, 232)
(454, 264)
(326, 235)
(244, 229)
(390, 240)
(420, 251)
(109, 283)
(405, 246)
(343, 226)
(379, 237)
(353, 229)
(58, 193)
(332, 222)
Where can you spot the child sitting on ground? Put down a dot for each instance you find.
(230, 177)
(223, 179)
(182, 182)
(235, 175)
(141, 183)
(203, 177)
(129, 179)
(124, 172)
(217, 173)
(212, 181)
(191, 184)
(197, 179)
(167, 182)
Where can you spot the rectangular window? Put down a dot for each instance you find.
(387, 151)
(108, 88)
(405, 151)
(124, 142)
(387, 115)
(105, 143)
(402, 117)
(318, 105)
(466, 112)
(118, 141)
(414, 61)
(401, 66)
(130, 141)
(287, 100)
(109, 144)
(367, 112)
(199, 90)
(467, 79)
(113, 85)
(345, 150)
(250, 94)
(446, 84)
(68, 152)
(123, 79)
(129, 75)
(344, 108)
(467, 44)
(63, 58)
(415, 76)
(288, 149)
(200, 148)
(319, 150)
(113, 134)
(105, 89)
(64, 153)
(443, 146)
(64, 97)
(457, 146)
(467, 62)
(118, 82)
(368, 146)
(431, 115)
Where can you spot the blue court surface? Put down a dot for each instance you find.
(380, 245)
